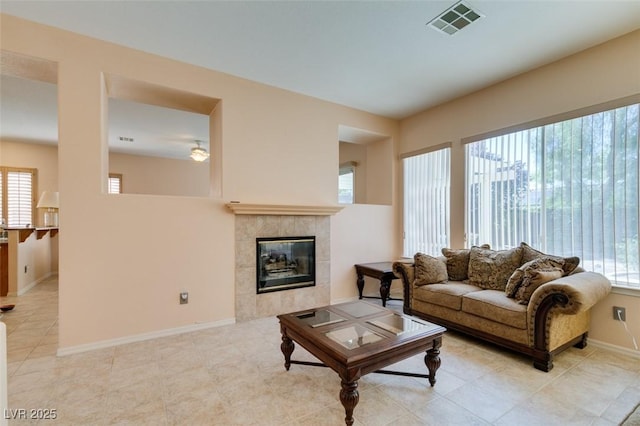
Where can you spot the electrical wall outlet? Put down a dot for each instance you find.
(184, 298)
(619, 313)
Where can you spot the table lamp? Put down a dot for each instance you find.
(49, 200)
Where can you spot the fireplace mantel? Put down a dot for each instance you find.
(283, 210)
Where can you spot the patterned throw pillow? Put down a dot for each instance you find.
(458, 262)
(490, 269)
(540, 263)
(529, 254)
(533, 279)
(429, 270)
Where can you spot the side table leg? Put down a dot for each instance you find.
(287, 348)
(349, 397)
(385, 286)
(360, 284)
(432, 360)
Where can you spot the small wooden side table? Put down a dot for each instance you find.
(382, 271)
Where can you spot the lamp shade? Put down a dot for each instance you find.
(48, 200)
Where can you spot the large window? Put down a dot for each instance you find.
(566, 188)
(426, 202)
(17, 197)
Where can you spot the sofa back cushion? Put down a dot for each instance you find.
(429, 270)
(458, 262)
(490, 269)
(529, 254)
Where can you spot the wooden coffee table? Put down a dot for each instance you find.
(358, 338)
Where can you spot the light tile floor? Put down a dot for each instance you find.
(234, 375)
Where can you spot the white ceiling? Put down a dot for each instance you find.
(378, 56)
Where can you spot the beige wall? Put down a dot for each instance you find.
(604, 73)
(372, 240)
(160, 176)
(123, 260)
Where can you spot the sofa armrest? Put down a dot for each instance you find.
(579, 292)
(406, 272)
(569, 295)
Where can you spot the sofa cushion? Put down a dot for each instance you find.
(529, 254)
(493, 305)
(429, 270)
(458, 262)
(491, 269)
(448, 295)
(515, 280)
(534, 278)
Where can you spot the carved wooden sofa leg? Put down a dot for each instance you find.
(582, 343)
(543, 361)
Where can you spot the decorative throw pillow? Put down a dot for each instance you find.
(429, 270)
(533, 279)
(490, 269)
(529, 253)
(515, 280)
(458, 262)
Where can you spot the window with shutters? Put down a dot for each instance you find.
(17, 198)
(115, 183)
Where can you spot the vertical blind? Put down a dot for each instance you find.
(567, 188)
(426, 202)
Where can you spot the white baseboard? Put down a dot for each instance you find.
(141, 337)
(35, 283)
(614, 348)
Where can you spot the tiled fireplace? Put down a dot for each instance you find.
(248, 228)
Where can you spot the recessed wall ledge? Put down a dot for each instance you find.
(283, 210)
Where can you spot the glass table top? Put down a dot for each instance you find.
(359, 309)
(398, 324)
(354, 336)
(320, 318)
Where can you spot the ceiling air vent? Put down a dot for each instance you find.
(455, 18)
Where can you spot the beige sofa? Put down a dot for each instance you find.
(546, 312)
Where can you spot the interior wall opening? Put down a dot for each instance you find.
(161, 141)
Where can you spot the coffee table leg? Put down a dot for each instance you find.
(287, 348)
(349, 397)
(432, 360)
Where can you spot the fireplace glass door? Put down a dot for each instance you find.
(285, 263)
